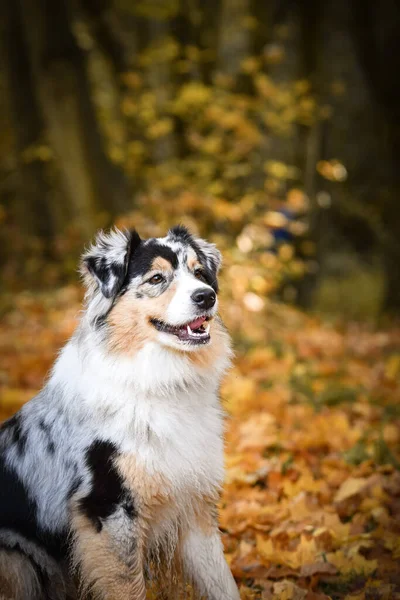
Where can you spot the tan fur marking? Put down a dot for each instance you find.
(129, 320)
(207, 515)
(105, 574)
(193, 262)
(152, 492)
(129, 327)
(155, 496)
(157, 505)
(161, 264)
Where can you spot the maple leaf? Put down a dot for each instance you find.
(305, 553)
(349, 561)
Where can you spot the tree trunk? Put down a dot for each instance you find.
(104, 26)
(210, 31)
(374, 28)
(310, 137)
(263, 14)
(90, 182)
(235, 40)
(33, 206)
(198, 24)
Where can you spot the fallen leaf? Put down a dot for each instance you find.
(350, 487)
(306, 552)
(287, 590)
(348, 562)
(319, 567)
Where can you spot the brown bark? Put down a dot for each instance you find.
(263, 14)
(374, 28)
(90, 182)
(32, 208)
(104, 25)
(310, 138)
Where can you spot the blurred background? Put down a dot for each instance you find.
(271, 127)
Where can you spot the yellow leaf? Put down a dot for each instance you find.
(333, 170)
(392, 543)
(392, 369)
(160, 128)
(350, 487)
(306, 482)
(280, 170)
(305, 553)
(348, 562)
(236, 391)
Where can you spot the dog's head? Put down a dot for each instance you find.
(159, 289)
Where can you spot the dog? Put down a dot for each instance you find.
(110, 476)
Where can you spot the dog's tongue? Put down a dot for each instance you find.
(196, 323)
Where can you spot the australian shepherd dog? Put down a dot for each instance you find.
(110, 476)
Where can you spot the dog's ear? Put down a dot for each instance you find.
(211, 253)
(105, 263)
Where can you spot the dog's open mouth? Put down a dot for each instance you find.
(195, 332)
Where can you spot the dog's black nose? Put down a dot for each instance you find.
(204, 298)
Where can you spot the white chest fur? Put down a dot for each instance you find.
(177, 447)
(181, 438)
(157, 408)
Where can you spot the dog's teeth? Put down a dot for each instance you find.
(200, 333)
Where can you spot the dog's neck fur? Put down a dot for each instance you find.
(154, 371)
(144, 402)
(158, 407)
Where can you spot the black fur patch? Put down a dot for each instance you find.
(18, 437)
(101, 320)
(142, 259)
(108, 491)
(142, 256)
(103, 269)
(181, 234)
(18, 513)
(210, 275)
(10, 423)
(46, 429)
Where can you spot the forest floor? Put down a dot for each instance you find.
(311, 503)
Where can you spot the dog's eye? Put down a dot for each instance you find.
(198, 273)
(156, 279)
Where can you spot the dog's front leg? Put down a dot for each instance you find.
(205, 565)
(108, 555)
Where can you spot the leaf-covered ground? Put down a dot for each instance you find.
(311, 504)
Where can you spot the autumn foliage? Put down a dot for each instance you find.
(311, 503)
(257, 131)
